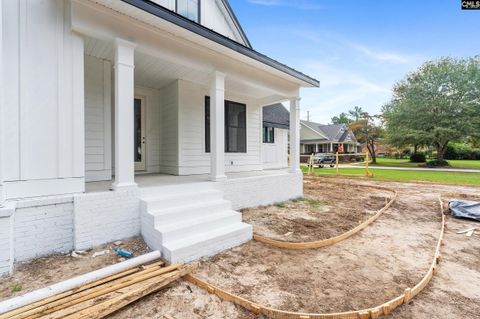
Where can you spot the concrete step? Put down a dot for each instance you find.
(177, 188)
(201, 224)
(158, 202)
(207, 243)
(171, 214)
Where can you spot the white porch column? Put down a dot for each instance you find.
(295, 134)
(124, 95)
(217, 127)
(2, 190)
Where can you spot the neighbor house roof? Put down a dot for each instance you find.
(177, 19)
(276, 115)
(337, 133)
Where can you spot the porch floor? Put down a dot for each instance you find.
(150, 180)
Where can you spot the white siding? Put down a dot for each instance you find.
(275, 155)
(169, 129)
(215, 17)
(192, 156)
(42, 62)
(98, 106)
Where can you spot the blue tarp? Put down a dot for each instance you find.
(465, 209)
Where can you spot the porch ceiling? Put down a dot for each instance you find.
(156, 73)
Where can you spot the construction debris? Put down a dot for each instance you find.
(466, 230)
(123, 253)
(465, 209)
(100, 253)
(103, 296)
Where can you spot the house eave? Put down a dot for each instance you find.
(172, 17)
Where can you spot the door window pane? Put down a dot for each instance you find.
(207, 124)
(137, 130)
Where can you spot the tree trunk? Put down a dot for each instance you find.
(441, 150)
(371, 150)
(415, 148)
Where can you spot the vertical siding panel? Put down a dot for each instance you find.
(11, 128)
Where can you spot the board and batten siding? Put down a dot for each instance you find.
(213, 15)
(43, 102)
(192, 156)
(275, 155)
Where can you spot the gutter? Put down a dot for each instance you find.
(170, 16)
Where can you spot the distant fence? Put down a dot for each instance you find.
(311, 162)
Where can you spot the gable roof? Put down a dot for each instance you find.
(276, 115)
(237, 24)
(337, 133)
(179, 20)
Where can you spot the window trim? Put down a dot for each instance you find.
(199, 11)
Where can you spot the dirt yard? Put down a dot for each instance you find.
(327, 210)
(365, 270)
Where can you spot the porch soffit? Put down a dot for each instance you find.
(156, 73)
(226, 53)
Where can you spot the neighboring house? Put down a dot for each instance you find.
(276, 123)
(128, 117)
(319, 138)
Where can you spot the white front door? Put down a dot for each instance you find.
(139, 144)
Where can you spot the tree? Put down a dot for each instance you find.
(368, 130)
(346, 118)
(356, 114)
(436, 104)
(342, 118)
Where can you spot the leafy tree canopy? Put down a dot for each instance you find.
(437, 103)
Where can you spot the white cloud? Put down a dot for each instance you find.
(381, 56)
(297, 4)
(341, 89)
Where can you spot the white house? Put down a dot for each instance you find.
(330, 138)
(127, 117)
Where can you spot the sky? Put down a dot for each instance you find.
(357, 49)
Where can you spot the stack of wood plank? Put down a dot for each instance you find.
(99, 298)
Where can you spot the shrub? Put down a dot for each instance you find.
(461, 151)
(437, 163)
(418, 158)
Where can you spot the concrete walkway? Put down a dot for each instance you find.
(458, 170)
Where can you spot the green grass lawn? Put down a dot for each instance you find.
(391, 162)
(405, 175)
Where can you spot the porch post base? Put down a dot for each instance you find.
(124, 186)
(217, 178)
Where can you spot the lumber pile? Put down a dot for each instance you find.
(104, 296)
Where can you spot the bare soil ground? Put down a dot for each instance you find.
(327, 210)
(367, 269)
(41, 272)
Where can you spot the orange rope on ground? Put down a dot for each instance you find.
(374, 312)
(332, 240)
